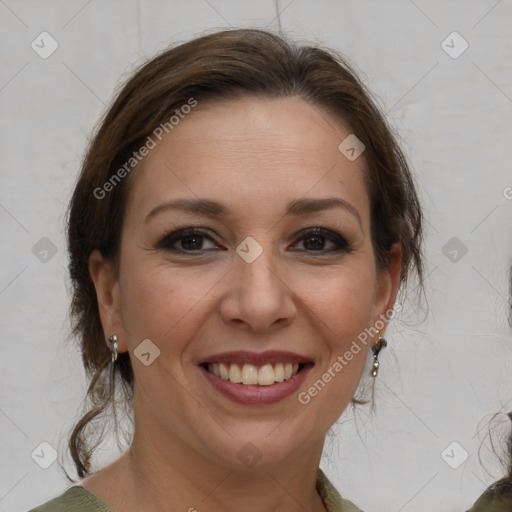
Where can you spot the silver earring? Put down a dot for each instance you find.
(113, 341)
(381, 343)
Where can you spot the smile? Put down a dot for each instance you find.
(250, 378)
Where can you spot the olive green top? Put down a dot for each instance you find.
(79, 499)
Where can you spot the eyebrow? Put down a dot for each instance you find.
(214, 209)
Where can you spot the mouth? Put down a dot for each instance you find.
(250, 378)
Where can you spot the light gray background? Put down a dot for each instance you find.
(439, 380)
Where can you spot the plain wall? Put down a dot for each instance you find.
(439, 380)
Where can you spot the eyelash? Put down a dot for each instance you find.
(174, 236)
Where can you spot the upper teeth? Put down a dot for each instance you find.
(251, 375)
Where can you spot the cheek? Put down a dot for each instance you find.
(341, 307)
(342, 300)
(160, 302)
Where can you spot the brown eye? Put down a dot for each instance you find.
(186, 240)
(316, 239)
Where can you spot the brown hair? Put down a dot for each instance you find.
(220, 65)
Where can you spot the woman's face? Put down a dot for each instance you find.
(254, 291)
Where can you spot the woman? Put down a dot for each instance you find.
(239, 232)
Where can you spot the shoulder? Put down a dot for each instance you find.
(75, 499)
(496, 498)
(331, 497)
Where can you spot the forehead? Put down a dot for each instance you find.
(250, 152)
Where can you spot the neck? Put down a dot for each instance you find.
(159, 470)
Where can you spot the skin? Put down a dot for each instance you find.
(254, 155)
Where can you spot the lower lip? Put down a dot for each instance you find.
(255, 394)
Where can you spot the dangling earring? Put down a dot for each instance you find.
(113, 340)
(381, 343)
(111, 389)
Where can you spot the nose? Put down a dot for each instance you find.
(259, 296)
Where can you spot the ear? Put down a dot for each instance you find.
(109, 298)
(386, 291)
